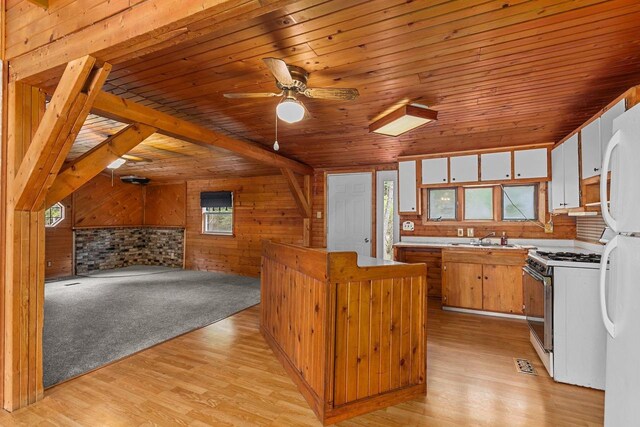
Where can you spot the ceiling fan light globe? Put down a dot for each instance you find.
(290, 111)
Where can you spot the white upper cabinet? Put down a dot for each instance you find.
(591, 150)
(408, 189)
(464, 168)
(571, 175)
(530, 163)
(606, 124)
(435, 171)
(495, 166)
(565, 182)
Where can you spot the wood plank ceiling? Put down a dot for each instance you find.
(500, 73)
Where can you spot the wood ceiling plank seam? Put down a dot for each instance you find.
(207, 45)
(460, 27)
(416, 41)
(266, 49)
(435, 56)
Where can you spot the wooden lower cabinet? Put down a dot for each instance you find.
(483, 280)
(462, 285)
(502, 288)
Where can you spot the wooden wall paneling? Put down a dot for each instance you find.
(99, 204)
(263, 210)
(59, 245)
(165, 205)
(432, 258)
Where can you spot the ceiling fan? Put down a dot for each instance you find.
(292, 82)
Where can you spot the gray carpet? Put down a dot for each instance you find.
(99, 318)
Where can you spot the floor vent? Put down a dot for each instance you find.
(523, 366)
(72, 284)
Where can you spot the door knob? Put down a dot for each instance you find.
(366, 240)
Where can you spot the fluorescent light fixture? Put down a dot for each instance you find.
(403, 120)
(290, 110)
(116, 163)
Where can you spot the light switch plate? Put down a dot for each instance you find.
(408, 226)
(319, 214)
(469, 232)
(460, 232)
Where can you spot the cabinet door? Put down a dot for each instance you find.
(591, 151)
(495, 166)
(464, 168)
(408, 190)
(434, 171)
(557, 177)
(502, 288)
(606, 126)
(462, 285)
(571, 175)
(530, 163)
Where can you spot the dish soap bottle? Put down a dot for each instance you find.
(503, 240)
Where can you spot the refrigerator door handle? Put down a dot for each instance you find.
(608, 324)
(604, 171)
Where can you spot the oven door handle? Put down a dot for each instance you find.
(539, 277)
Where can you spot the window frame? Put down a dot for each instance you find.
(204, 215)
(490, 188)
(62, 215)
(456, 203)
(535, 202)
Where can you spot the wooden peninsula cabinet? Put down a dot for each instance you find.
(483, 279)
(349, 330)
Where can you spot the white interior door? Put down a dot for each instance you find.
(349, 204)
(387, 217)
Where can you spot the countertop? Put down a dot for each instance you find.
(367, 261)
(465, 246)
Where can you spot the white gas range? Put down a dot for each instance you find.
(561, 303)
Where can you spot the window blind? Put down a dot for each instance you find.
(216, 199)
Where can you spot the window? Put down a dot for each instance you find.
(54, 215)
(478, 203)
(387, 226)
(217, 212)
(519, 203)
(442, 204)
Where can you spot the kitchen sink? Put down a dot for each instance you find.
(484, 245)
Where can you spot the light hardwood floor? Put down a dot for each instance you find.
(225, 374)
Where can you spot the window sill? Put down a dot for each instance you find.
(210, 233)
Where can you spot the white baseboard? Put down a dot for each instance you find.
(485, 313)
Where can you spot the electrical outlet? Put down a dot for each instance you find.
(548, 227)
(460, 232)
(469, 232)
(319, 214)
(48, 263)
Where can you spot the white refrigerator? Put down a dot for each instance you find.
(620, 291)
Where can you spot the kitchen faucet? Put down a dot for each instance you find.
(493, 233)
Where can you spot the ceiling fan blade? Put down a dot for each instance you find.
(136, 159)
(279, 70)
(331, 93)
(251, 95)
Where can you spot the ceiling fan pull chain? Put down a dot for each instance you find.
(276, 146)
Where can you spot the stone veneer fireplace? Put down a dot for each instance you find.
(105, 248)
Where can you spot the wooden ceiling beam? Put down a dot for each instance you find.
(90, 164)
(62, 120)
(42, 3)
(302, 201)
(139, 29)
(116, 108)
